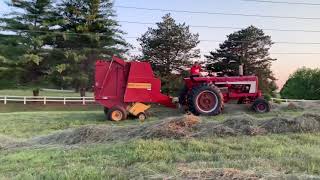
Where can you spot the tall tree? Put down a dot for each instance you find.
(28, 24)
(87, 31)
(169, 46)
(249, 47)
(302, 84)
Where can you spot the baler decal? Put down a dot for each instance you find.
(139, 86)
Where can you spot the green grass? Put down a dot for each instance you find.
(29, 124)
(28, 92)
(137, 159)
(20, 107)
(291, 154)
(33, 123)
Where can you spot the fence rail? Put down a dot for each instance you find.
(45, 99)
(85, 100)
(292, 100)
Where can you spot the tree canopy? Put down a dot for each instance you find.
(302, 84)
(24, 49)
(250, 47)
(87, 32)
(169, 46)
(59, 42)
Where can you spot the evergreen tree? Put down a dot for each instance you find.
(250, 47)
(170, 46)
(86, 31)
(28, 24)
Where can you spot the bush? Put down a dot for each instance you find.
(303, 84)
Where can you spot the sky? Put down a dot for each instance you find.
(285, 65)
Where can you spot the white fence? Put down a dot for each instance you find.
(46, 99)
(292, 100)
(85, 100)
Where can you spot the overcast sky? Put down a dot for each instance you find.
(286, 63)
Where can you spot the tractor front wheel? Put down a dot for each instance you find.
(261, 106)
(205, 100)
(117, 113)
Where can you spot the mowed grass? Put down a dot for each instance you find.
(274, 154)
(138, 159)
(26, 123)
(28, 92)
(29, 124)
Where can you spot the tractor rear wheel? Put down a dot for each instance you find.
(261, 106)
(205, 100)
(117, 113)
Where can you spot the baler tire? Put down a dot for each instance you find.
(261, 106)
(183, 96)
(196, 91)
(117, 113)
(142, 116)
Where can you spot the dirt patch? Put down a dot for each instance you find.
(184, 127)
(221, 174)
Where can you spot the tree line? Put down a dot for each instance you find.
(55, 44)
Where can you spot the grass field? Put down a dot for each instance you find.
(283, 155)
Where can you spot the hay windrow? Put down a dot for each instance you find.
(174, 128)
(222, 174)
(8, 142)
(184, 127)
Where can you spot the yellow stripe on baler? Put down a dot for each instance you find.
(139, 85)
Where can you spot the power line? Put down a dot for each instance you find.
(278, 53)
(135, 37)
(218, 13)
(230, 14)
(227, 27)
(284, 2)
(136, 51)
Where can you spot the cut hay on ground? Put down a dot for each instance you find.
(174, 128)
(221, 174)
(185, 127)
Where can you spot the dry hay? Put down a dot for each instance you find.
(85, 134)
(236, 125)
(221, 174)
(181, 127)
(172, 128)
(294, 107)
(8, 142)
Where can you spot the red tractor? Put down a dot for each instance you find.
(125, 88)
(207, 95)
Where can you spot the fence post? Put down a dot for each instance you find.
(45, 100)
(83, 100)
(64, 100)
(5, 100)
(24, 100)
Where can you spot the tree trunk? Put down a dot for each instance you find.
(82, 92)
